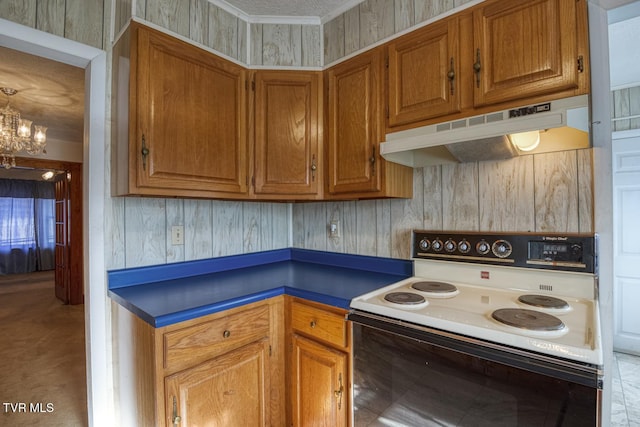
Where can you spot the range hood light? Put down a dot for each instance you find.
(525, 141)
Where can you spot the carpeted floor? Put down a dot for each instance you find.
(42, 355)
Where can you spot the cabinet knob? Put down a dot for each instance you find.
(226, 334)
(313, 167)
(176, 419)
(312, 324)
(145, 152)
(451, 75)
(477, 67)
(339, 391)
(372, 160)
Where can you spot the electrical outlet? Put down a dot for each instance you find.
(177, 235)
(334, 228)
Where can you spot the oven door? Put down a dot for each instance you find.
(408, 375)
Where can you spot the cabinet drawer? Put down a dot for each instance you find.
(194, 344)
(321, 324)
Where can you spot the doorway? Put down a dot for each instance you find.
(626, 205)
(97, 314)
(68, 227)
(625, 84)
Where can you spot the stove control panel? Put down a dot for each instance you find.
(570, 252)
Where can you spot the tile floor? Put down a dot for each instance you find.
(625, 405)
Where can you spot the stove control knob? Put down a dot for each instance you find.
(424, 245)
(464, 246)
(450, 246)
(436, 245)
(501, 248)
(483, 247)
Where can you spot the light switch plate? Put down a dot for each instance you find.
(177, 235)
(334, 228)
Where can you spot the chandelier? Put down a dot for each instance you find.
(15, 133)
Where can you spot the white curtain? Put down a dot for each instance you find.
(27, 226)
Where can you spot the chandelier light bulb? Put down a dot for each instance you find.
(40, 135)
(24, 129)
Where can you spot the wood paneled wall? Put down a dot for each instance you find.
(285, 45)
(374, 20)
(282, 45)
(198, 20)
(140, 229)
(626, 103)
(550, 192)
(545, 192)
(81, 20)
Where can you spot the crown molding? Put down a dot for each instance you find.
(289, 20)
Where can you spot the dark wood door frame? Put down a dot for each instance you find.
(76, 260)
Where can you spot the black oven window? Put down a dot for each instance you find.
(399, 381)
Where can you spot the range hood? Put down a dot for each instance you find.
(561, 125)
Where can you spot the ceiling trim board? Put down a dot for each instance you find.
(285, 19)
(266, 19)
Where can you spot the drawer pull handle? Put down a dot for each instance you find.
(312, 324)
(226, 334)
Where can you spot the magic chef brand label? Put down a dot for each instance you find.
(555, 239)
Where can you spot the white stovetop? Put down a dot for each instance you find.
(469, 312)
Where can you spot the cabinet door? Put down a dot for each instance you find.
(354, 121)
(230, 390)
(424, 73)
(319, 384)
(525, 49)
(191, 111)
(286, 133)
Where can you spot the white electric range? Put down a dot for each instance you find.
(486, 318)
(551, 312)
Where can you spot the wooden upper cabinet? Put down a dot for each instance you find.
(424, 73)
(526, 49)
(187, 119)
(354, 132)
(287, 129)
(355, 88)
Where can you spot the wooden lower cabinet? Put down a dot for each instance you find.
(318, 384)
(284, 361)
(223, 369)
(230, 390)
(319, 343)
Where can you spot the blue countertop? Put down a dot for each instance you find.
(166, 294)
